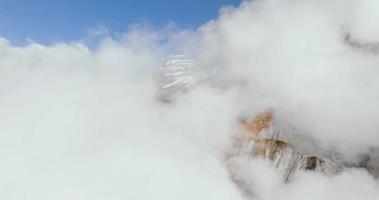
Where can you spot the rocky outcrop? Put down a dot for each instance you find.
(288, 150)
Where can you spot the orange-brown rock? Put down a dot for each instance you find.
(253, 128)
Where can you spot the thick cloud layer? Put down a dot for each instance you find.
(77, 123)
(309, 60)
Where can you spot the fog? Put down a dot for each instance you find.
(84, 123)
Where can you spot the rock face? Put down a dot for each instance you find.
(178, 74)
(288, 151)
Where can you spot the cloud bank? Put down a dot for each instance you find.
(80, 123)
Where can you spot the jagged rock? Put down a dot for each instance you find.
(289, 151)
(263, 136)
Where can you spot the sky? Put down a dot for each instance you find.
(51, 21)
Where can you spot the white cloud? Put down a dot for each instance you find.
(77, 123)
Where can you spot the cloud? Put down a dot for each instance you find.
(296, 55)
(259, 180)
(83, 123)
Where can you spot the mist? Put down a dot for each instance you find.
(84, 123)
